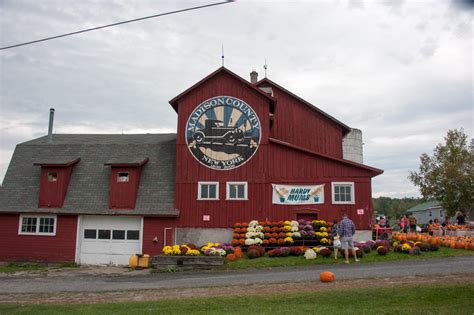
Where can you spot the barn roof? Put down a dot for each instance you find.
(174, 101)
(271, 83)
(372, 170)
(425, 206)
(88, 191)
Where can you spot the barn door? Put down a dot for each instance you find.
(169, 237)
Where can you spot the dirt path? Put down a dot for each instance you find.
(249, 290)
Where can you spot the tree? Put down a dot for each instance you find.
(448, 175)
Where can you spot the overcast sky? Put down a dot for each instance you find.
(401, 71)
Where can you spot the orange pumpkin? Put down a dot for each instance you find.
(326, 276)
(231, 257)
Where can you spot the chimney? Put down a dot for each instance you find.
(253, 77)
(50, 127)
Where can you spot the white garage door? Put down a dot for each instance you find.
(109, 240)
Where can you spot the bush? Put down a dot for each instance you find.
(231, 257)
(260, 250)
(325, 252)
(296, 251)
(434, 247)
(414, 251)
(425, 247)
(382, 250)
(253, 253)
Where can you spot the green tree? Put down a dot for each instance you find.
(448, 175)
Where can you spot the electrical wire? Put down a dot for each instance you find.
(115, 24)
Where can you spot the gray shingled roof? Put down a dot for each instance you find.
(88, 191)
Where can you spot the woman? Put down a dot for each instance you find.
(403, 223)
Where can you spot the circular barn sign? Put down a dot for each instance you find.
(223, 132)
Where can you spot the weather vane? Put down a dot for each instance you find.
(222, 54)
(265, 66)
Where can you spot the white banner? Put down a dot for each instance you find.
(297, 194)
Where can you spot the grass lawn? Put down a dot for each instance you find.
(17, 267)
(267, 262)
(426, 299)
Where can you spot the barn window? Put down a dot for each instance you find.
(133, 235)
(343, 193)
(37, 225)
(52, 177)
(236, 190)
(122, 177)
(90, 234)
(208, 191)
(104, 234)
(118, 235)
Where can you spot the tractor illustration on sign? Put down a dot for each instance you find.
(215, 131)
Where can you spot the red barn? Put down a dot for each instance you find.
(243, 151)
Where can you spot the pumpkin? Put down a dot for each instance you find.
(231, 257)
(326, 276)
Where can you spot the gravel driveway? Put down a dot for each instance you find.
(139, 280)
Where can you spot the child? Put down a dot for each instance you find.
(336, 244)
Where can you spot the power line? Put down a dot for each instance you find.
(115, 24)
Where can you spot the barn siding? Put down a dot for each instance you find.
(58, 248)
(297, 123)
(155, 227)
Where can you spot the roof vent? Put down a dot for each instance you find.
(253, 77)
(50, 127)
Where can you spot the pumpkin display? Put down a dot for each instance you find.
(326, 276)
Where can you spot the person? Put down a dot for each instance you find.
(336, 242)
(460, 218)
(346, 231)
(412, 222)
(382, 222)
(403, 223)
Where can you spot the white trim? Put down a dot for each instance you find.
(78, 239)
(38, 218)
(237, 183)
(351, 184)
(208, 183)
(141, 235)
(164, 236)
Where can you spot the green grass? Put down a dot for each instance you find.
(16, 267)
(267, 262)
(426, 299)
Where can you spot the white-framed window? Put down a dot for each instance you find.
(37, 225)
(122, 177)
(52, 177)
(236, 191)
(343, 193)
(208, 191)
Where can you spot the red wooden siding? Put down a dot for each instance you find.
(298, 124)
(123, 195)
(294, 122)
(155, 227)
(53, 193)
(58, 248)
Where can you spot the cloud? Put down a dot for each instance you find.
(400, 71)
